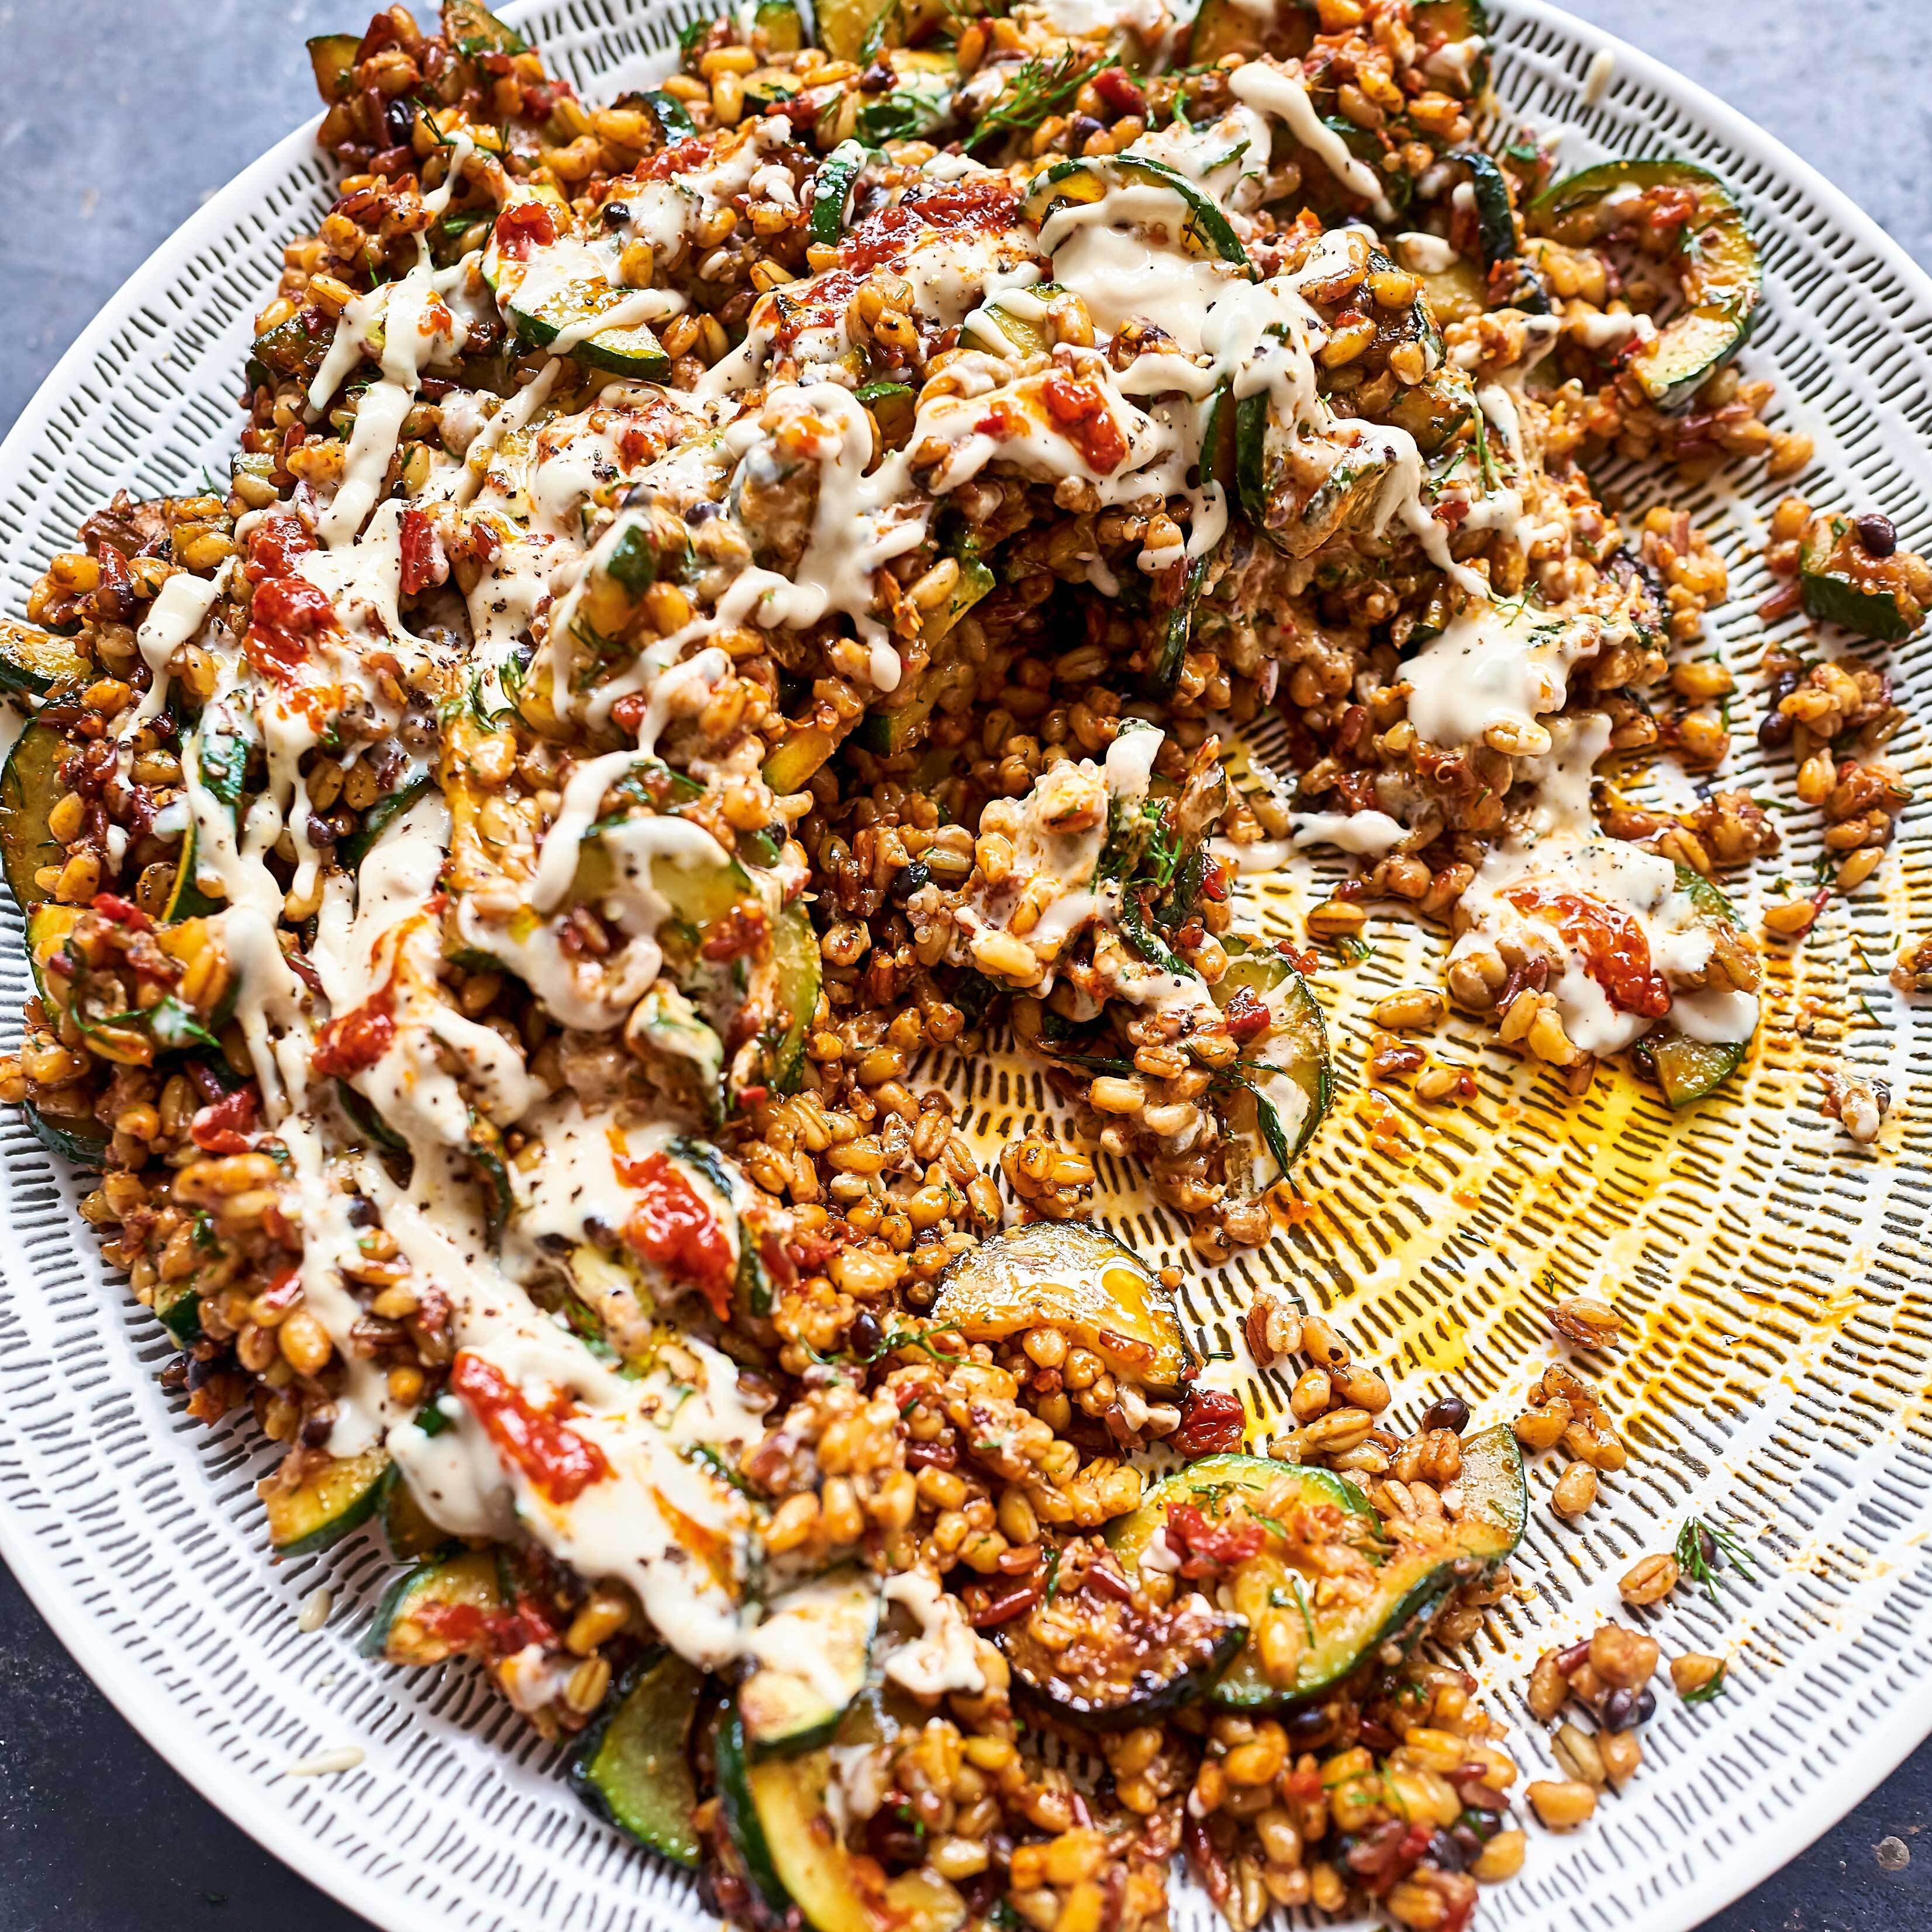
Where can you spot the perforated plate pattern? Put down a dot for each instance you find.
(1773, 1273)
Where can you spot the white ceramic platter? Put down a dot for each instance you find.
(1773, 1271)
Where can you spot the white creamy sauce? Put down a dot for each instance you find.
(1557, 847)
(1494, 667)
(1365, 834)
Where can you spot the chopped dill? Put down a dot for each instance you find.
(1039, 87)
(1301, 1600)
(1704, 1548)
(1705, 1693)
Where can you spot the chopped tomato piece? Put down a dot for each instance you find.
(424, 561)
(528, 225)
(286, 614)
(674, 1225)
(1080, 412)
(357, 1039)
(1207, 1545)
(560, 1463)
(1611, 944)
(223, 1127)
(1212, 1422)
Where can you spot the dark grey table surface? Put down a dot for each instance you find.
(122, 118)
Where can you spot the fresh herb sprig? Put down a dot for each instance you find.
(1704, 1548)
(1707, 1693)
(1038, 88)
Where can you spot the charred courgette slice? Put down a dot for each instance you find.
(33, 662)
(1205, 230)
(808, 1659)
(1256, 1505)
(436, 1611)
(1286, 1080)
(1844, 584)
(633, 1766)
(1129, 1664)
(1723, 274)
(1689, 1070)
(1285, 29)
(1070, 1276)
(323, 1510)
(29, 790)
(781, 1828)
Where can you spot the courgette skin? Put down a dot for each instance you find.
(33, 663)
(29, 790)
(1169, 1658)
(79, 1138)
(1516, 286)
(1073, 1276)
(1723, 281)
(783, 1710)
(1829, 579)
(633, 1766)
(469, 1583)
(1299, 1039)
(1409, 1584)
(1206, 231)
(328, 1506)
(1287, 31)
(1690, 1070)
(777, 1822)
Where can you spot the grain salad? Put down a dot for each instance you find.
(734, 596)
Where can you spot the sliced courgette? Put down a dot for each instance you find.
(33, 662)
(1723, 277)
(633, 1766)
(1287, 1073)
(1205, 230)
(473, 29)
(331, 59)
(1517, 286)
(178, 1309)
(436, 1611)
(673, 118)
(800, 973)
(1385, 1597)
(780, 22)
(378, 818)
(831, 190)
(1071, 1276)
(1843, 584)
(808, 1661)
(30, 788)
(1442, 22)
(1297, 521)
(848, 29)
(1689, 1070)
(797, 757)
(1432, 410)
(781, 1828)
(1285, 29)
(1129, 1664)
(323, 1510)
(560, 285)
(49, 928)
(79, 1138)
(486, 1155)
